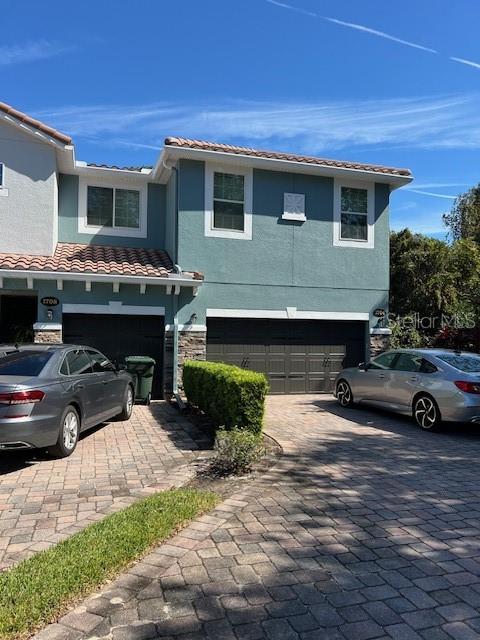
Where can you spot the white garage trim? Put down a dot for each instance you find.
(115, 308)
(290, 313)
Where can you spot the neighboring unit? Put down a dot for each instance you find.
(268, 260)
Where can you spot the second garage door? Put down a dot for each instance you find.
(118, 336)
(298, 356)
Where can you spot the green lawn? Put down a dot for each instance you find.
(37, 590)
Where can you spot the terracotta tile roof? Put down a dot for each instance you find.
(81, 258)
(36, 124)
(114, 166)
(277, 155)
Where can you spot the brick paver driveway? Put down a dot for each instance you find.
(366, 528)
(44, 500)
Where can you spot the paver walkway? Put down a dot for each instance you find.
(366, 528)
(44, 500)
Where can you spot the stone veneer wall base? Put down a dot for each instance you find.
(379, 341)
(192, 345)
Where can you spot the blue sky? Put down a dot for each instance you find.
(393, 83)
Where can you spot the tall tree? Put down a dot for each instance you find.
(421, 277)
(463, 221)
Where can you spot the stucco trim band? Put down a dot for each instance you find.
(290, 313)
(114, 307)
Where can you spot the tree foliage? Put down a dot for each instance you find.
(463, 221)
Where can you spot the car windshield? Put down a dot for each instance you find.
(469, 363)
(24, 363)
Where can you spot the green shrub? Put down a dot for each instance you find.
(236, 450)
(230, 396)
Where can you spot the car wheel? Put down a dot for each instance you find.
(68, 433)
(127, 405)
(426, 413)
(344, 394)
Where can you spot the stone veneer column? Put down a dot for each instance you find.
(192, 345)
(379, 341)
(47, 333)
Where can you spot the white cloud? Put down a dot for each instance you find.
(353, 25)
(430, 193)
(435, 185)
(308, 127)
(30, 51)
(380, 34)
(470, 63)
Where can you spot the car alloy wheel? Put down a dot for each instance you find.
(426, 413)
(344, 394)
(129, 402)
(70, 430)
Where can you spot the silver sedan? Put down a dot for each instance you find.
(431, 385)
(50, 394)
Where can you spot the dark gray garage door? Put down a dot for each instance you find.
(298, 356)
(119, 336)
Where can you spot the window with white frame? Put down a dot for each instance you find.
(354, 214)
(113, 208)
(228, 202)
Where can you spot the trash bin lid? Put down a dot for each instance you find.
(139, 360)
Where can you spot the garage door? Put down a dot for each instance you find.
(118, 336)
(297, 356)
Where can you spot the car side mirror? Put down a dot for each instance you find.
(363, 366)
(121, 367)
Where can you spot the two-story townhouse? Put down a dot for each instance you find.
(272, 261)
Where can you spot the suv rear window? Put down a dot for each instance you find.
(24, 363)
(470, 363)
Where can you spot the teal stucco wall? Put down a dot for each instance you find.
(68, 218)
(286, 263)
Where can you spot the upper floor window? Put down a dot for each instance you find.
(228, 202)
(354, 215)
(109, 208)
(354, 210)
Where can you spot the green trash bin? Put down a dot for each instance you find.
(141, 369)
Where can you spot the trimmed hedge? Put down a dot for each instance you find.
(230, 396)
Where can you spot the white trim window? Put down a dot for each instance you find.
(111, 209)
(228, 202)
(354, 215)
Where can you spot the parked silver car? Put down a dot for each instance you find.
(432, 385)
(49, 394)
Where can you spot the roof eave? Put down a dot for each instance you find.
(168, 280)
(172, 153)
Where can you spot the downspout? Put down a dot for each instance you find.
(178, 270)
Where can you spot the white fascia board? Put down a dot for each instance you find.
(274, 164)
(99, 277)
(81, 168)
(283, 314)
(36, 133)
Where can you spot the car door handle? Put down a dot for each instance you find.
(381, 375)
(80, 386)
(414, 378)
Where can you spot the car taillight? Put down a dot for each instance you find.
(21, 397)
(468, 387)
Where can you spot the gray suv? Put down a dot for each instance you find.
(49, 394)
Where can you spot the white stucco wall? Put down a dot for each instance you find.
(29, 213)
